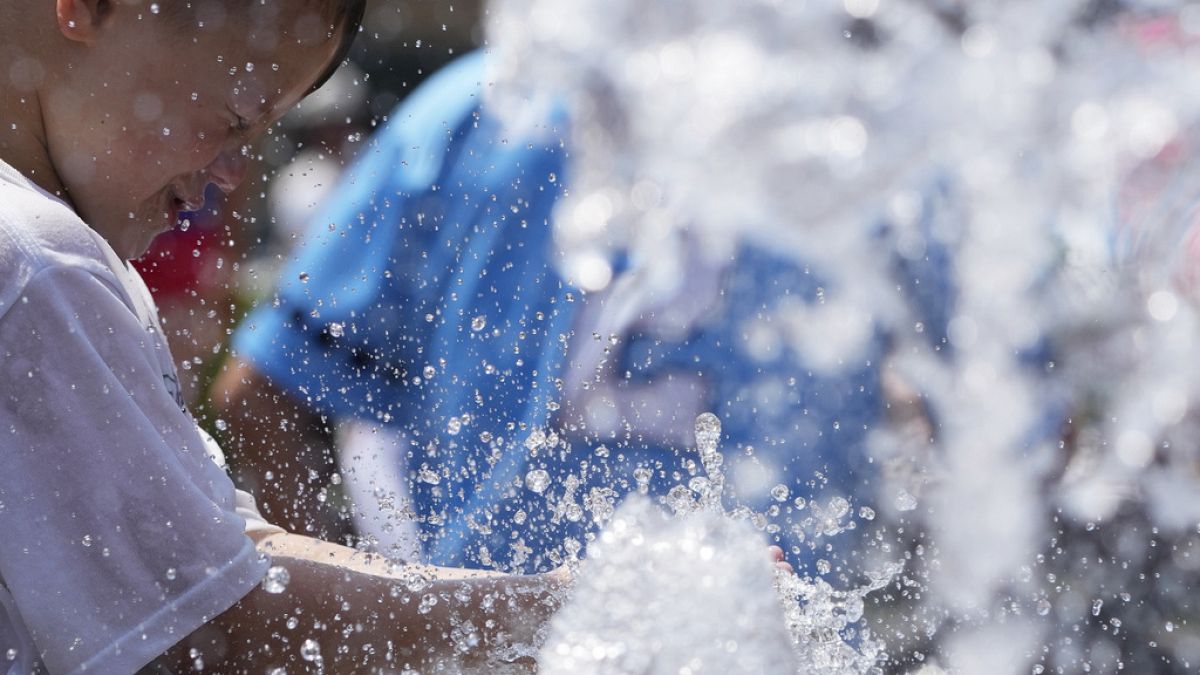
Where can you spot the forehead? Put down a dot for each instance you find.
(265, 55)
(307, 20)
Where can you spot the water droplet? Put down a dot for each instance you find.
(465, 637)
(702, 487)
(838, 507)
(427, 475)
(303, 277)
(310, 650)
(87, 540)
(905, 501)
(185, 224)
(478, 323)
(414, 581)
(276, 580)
(708, 435)
(1097, 604)
(11, 654)
(336, 329)
(166, 131)
(249, 67)
(574, 512)
(780, 493)
(1043, 607)
(537, 480)
(453, 426)
(866, 513)
(429, 372)
(154, 8)
(428, 602)
(679, 498)
(221, 425)
(708, 432)
(172, 573)
(536, 439)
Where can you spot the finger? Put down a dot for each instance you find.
(776, 553)
(785, 567)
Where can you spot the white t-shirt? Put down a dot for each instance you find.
(120, 532)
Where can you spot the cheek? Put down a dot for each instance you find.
(137, 165)
(182, 145)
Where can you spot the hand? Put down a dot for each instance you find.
(777, 558)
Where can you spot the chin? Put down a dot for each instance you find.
(137, 246)
(143, 247)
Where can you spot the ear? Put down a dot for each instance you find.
(78, 20)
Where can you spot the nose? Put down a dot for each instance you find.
(228, 170)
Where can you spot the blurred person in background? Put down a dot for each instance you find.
(497, 413)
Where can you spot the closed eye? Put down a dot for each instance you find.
(240, 124)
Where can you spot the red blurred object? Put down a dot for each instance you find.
(185, 262)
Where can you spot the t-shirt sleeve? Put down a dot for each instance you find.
(366, 247)
(120, 534)
(337, 272)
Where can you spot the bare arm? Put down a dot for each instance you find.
(364, 614)
(278, 448)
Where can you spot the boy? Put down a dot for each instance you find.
(122, 537)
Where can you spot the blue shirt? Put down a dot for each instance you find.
(427, 297)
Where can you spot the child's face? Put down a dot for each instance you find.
(154, 111)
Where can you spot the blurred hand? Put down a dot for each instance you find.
(777, 558)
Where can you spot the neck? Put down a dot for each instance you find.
(22, 129)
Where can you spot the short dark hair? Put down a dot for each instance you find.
(344, 14)
(349, 13)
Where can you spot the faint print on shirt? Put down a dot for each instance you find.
(173, 388)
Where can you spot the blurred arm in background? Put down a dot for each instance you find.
(279, 449)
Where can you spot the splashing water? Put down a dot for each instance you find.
(794, 124)
(708, 437)
(696, 593)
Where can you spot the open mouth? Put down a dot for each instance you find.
(177, 205)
